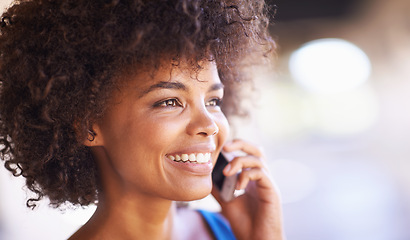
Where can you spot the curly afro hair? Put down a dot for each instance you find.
(59, 61)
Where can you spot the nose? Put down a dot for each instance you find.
(202, 123)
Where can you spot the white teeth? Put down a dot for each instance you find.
(184, 157)
(200, 158)
(192, 157)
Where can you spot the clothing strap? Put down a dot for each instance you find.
(219, 226)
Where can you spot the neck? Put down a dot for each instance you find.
(123, 213)
(130, 217)
(136, 217)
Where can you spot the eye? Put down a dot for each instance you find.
(215, 102)
(173, 102)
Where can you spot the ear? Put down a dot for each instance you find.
(94, 137)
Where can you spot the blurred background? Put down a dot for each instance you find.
(333, 117)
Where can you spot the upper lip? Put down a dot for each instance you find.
(209, 148)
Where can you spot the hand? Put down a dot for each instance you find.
(256, 214)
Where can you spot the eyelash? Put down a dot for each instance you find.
(217, 102)
(174, 102)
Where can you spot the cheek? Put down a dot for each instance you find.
(224, 129)
(160, 132)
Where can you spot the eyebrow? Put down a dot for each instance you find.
(166, 85)
(216, 86)
(178, 86)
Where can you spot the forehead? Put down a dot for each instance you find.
(205, 74)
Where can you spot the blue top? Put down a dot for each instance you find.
(219, 226)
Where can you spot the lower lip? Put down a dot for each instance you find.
(194, 168)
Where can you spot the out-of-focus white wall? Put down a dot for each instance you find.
(4, 4)
(341, 160)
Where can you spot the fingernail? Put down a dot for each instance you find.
(227, 168)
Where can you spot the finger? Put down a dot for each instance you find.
(243, 146)
(254, 174)
(239, 163)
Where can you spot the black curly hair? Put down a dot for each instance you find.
(59, 61)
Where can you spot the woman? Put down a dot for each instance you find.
(119, 103)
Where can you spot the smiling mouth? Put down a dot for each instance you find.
(192, 157)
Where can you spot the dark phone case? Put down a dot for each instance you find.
(225, 185)
(217, 176)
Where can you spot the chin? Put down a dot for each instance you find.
(199, 196)
(193, 193)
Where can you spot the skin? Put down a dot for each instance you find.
(257, 214)
(146, 122)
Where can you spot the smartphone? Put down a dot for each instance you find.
(225, 185)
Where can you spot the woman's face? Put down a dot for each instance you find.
(162, 133)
